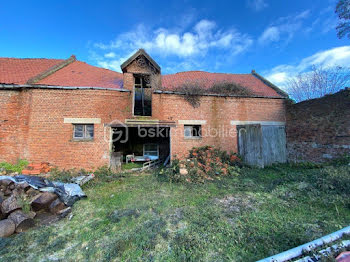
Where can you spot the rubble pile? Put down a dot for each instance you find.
(36, 169)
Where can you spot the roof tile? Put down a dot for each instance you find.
(20, 70)
(207, 79)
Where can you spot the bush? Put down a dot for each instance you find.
(170, 174)
(18, 167)
(192, 92)
(203, 164)
(229, 88)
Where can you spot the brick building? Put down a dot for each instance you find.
(74, 115)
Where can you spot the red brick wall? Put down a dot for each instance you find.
(40, 134)
(35, 129)
(218, 112)
(14, 117)
(319, 129)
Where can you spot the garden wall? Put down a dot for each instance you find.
(319, 129)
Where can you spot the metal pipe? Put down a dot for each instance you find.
(298, 251)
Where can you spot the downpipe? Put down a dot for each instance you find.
(298, 251)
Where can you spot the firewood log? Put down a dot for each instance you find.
(43, 201)
(21, 220)
(7, 227)
(57, 206)
(10, 204)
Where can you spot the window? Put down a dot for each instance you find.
(142, 96)
(83, 132)
(193, 131)
(150, 150)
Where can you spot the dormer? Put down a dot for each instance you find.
(141, 76)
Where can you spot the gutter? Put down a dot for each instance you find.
(17, 87)
(298, 251)
(215, 95)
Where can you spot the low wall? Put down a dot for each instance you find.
(319, 129)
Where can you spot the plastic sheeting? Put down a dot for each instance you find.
(69, 193)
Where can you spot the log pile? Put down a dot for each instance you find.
(20, 204)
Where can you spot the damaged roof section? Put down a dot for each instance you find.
(253, 82)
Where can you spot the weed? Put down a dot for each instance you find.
(18, 167)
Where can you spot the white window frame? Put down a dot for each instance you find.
(86, 135)
(144, 149)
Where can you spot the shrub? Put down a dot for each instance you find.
(229, 88)
(170, 174)
(192, 92)
(203, 164)
(18, 167)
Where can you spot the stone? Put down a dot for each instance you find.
(7, 227)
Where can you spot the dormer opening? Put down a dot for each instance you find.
(142, 95)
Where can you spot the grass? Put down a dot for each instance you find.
(131, 165)
(244, 218)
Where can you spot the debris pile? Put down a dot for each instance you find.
(25, 200)
(37, 169)
(203, 164)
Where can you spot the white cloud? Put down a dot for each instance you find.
(338, 56)
(284, 28)
(204, 36)
(110, 55)
(257, 5)
(271, 34)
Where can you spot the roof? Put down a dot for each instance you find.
(253, 82)
(20, 70)
(137, 54)
(82, 74)
(57, 72)
(72, 73)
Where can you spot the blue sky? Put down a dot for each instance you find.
(276, 38)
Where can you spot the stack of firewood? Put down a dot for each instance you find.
(20, 204)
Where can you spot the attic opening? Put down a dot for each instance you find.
(142, 95)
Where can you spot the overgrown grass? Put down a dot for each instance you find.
(244, 218)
